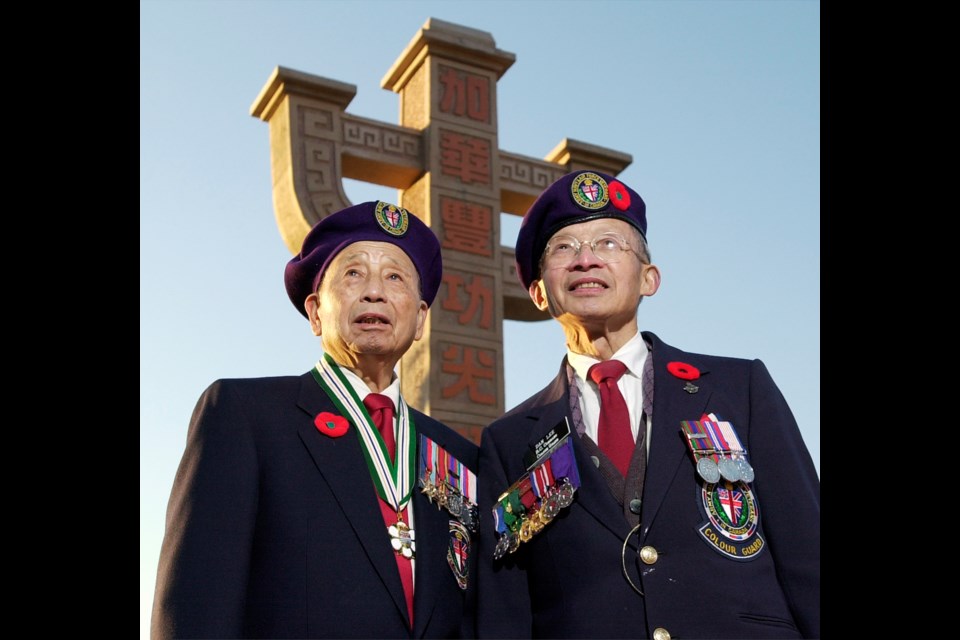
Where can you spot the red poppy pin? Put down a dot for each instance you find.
(683, 370)
(619, 195)
(330, 424)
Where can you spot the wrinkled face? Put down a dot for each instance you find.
(368, 303)
(584, 288)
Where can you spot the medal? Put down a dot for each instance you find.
(392, 480)
(455, 504)
(565, 495)
(708, 469)
(526, 531)
(717, 450)
(402, 539)
(503, 546)
(535, 500)
(550, 508)
(448, 481)
(729, 469)
(731, 440)
(514, 541)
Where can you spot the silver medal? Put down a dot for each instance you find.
(729, 469)
(708, 470)
(746, 471)
(565, 495)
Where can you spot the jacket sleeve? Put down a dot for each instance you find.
(789, 490)
(205, 557)
(503, 604)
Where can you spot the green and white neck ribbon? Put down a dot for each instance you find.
(394, 481)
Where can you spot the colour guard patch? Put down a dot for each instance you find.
(590, 191)
(458, 553)
(732, 519)
(392, 219)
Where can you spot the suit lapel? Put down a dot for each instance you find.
(594, 495)
(341, 465)
(671, 404)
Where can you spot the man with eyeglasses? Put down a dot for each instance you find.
(625, 498)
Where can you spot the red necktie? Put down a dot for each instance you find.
(613, 433)
(381, 412)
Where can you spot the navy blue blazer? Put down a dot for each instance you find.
(274, 530)
(568, 581)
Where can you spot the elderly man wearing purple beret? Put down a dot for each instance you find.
(646, 491)
(304, 505)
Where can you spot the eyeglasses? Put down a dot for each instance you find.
(608, 247)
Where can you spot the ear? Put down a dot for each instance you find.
(421, 319)
(650, 280)
(538, 294)
(312, 307)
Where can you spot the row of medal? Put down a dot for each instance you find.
(448, 481)
(533, 501)
(717, 450)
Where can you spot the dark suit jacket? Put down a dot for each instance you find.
(568, 581)
(274, 530)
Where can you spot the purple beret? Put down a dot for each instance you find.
(577, 197)
(370, 221)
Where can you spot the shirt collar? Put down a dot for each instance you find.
(633, 354)
(362, 390)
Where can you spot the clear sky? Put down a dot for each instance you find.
(718, 102)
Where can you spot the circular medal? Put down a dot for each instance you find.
(708, 470)
(466, 517)
(514, 541)
(503, 545)
(526, 531)
(550, 508)
(565, 495)
(536, 526)
(746, 471)
(729, 469)
(454, 504)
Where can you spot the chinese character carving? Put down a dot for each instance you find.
(479, 308)
(465, 157)
(467, 226)
(471, 365)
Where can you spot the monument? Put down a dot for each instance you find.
(445, 159)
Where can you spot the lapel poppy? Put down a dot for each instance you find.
(330, 424)
(683, 370)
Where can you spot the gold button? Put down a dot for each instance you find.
(649, 555)
(661, 634)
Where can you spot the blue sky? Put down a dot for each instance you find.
(718, 102)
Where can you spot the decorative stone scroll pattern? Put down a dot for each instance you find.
(382, 138)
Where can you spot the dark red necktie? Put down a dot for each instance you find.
(613, 433)
(381, 412)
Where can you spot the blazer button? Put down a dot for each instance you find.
(649, 555)
(661, 634)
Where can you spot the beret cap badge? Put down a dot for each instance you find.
(590, 191)
(392, 219)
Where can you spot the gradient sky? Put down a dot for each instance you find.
(718, 102)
